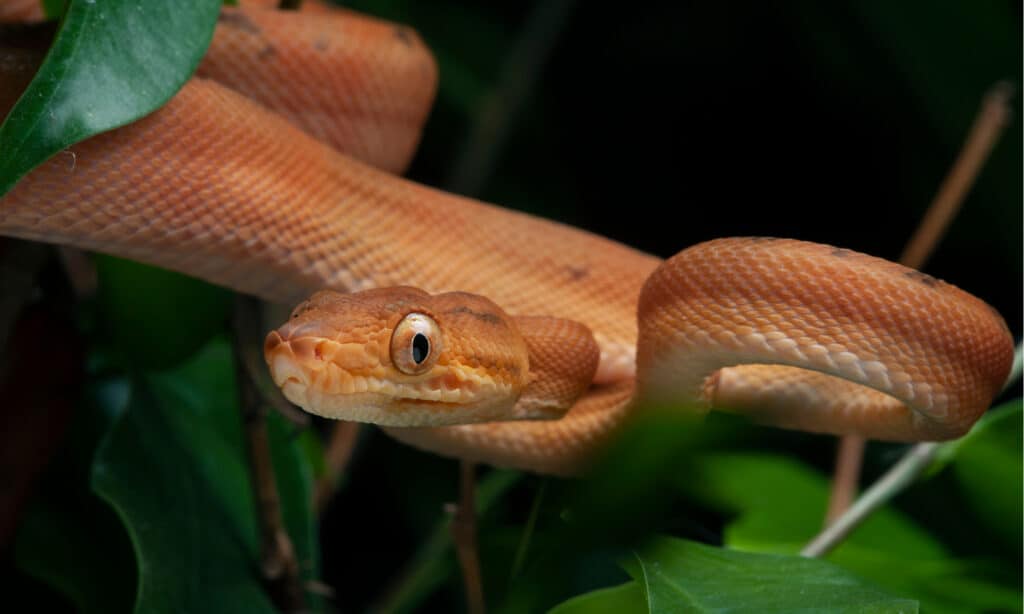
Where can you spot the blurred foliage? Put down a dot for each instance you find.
(696, 120)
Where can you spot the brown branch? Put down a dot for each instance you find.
(342, 443)
(463, 529)
(988, 125)
(278, 563)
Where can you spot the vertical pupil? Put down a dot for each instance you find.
(420, 348)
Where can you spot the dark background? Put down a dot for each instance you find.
(663, 125)
(666, 125)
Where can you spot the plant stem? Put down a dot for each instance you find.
(901, 475)
(279, 565)
(463, 530)
(988, 125)
(430, 566)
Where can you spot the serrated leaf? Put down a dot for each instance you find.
(111, 63)
(682, 576)
(174, 469)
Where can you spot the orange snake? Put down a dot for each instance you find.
(240, 182)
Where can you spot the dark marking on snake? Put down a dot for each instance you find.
(267, 52)
(924, 278)
(320, 44)
(839, 252)
(577, 273)
(483, 316)
(240, 21)
(404, 35)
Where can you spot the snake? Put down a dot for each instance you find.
(505, 338)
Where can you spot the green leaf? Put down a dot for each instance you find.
(174, 469)
(111, 63)
(778, 505)
(142, 303)
(68, 537)
(987, 464)
(626, 598)
(683, 576)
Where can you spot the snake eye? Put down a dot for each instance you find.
(415, 344)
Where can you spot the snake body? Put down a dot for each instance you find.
(226, 183)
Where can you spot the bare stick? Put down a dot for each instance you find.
(901, 475)
(988, 126)
(849, 457)
(463, 530)
(278, 563)
(339, 451)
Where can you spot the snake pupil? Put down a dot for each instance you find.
(420, 348)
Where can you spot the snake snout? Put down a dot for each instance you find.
(285, 370)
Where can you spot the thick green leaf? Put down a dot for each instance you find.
(778, 504)
(987, 463)
(626, 598)
(111, 63)
(69, 538)
(174, 469)
(140, 318)
(683, 576)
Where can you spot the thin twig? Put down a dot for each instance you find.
(463, 530)
(519, 76)
(429, 566)
(342, 443)
(1018, 366)
(849, 457)
(901, 475)
(279, 564)
(988, 125)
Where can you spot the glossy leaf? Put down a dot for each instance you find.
(111, 63)
(626, 598)
(987, 464)
(156, 318)
(68, 537)
(174, 469)
(683, 576)
(778, 504)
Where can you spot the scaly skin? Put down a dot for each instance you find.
(219, 187)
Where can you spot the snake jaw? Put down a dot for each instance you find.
(349, 382)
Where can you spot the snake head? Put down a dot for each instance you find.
(400, 357)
